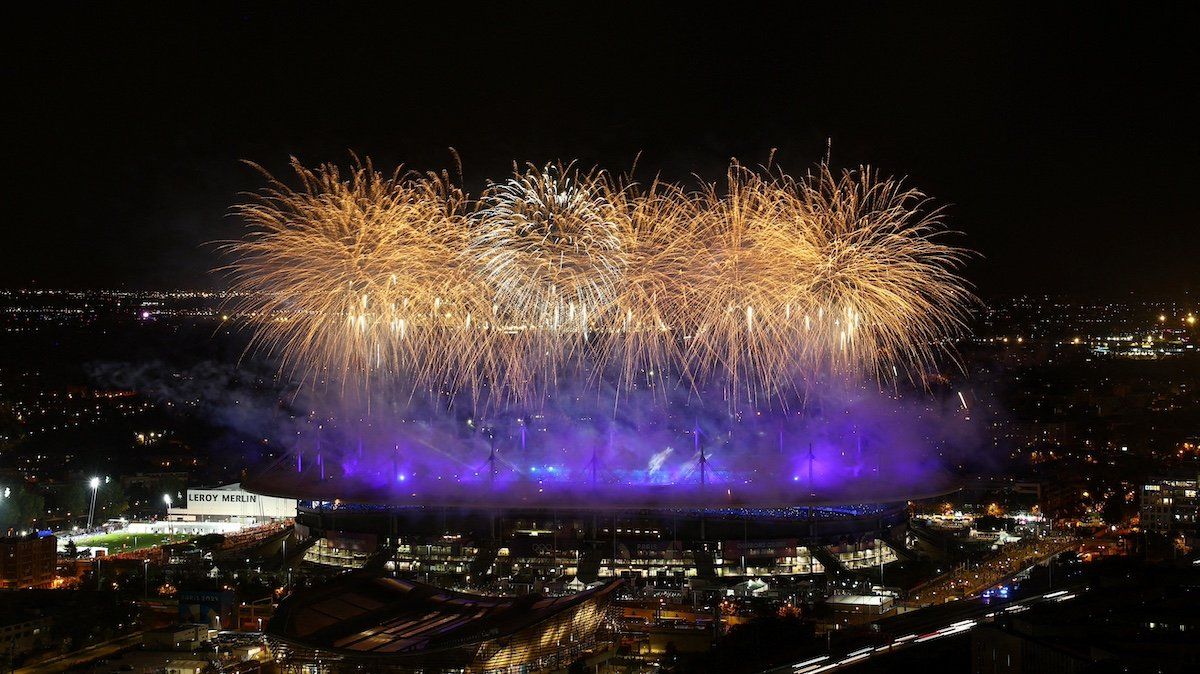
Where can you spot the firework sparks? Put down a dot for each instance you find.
(350, 276)
(760, 283)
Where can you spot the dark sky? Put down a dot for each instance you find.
(1065, 140)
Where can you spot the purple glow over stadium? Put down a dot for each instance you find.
(859, 445)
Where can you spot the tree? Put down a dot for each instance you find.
(1114, 509)
(110, 500)
(73, 498)
(76, 498)
(173, 486)
(20, 506)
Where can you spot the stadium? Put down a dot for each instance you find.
(510, 571)
(575, 379)
(508, 532)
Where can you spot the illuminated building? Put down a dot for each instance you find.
(27, 561)
(1171, 506)
(517, 549)
(230, 504)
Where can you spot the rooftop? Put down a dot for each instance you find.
(365, 615)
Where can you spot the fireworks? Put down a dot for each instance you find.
(826, 273)
(758, 284)
(359, 274)
(545, 242)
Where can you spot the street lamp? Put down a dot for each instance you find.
(94, 483)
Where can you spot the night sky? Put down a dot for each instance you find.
(1065, 142)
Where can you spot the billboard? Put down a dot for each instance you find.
(206, 607)
(233, 501)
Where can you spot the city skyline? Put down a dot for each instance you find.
(558, 338)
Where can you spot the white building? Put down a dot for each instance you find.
(232, 504)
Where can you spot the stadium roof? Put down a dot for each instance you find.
(282, 481)
(379, 616)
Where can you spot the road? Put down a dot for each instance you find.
(921, 626)
(966, 582)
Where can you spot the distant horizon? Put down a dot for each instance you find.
(1074, 295)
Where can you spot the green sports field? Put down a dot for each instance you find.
(122, 542)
